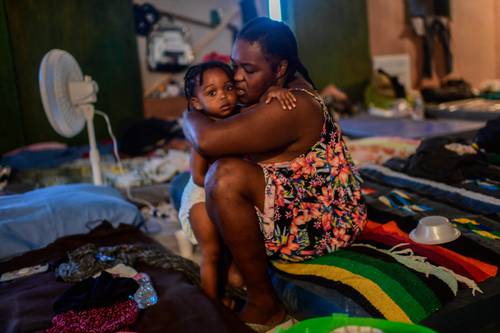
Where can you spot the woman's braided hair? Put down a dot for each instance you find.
(278, 42)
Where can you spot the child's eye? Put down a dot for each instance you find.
(248, 69)
(211, 93)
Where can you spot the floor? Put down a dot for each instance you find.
(165, 228)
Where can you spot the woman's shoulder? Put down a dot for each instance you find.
(307, 98)
(303, 90)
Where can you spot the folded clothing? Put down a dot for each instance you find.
(105, 290)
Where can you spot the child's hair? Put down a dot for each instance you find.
(194, 76)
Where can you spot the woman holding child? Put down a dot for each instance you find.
(282, 184)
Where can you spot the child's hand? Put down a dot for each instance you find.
(284, 96)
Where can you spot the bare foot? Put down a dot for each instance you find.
(229, 302)
(260, 314)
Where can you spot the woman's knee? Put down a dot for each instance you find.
(231, 179)
(225, 174)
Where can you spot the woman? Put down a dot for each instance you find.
(299, 196)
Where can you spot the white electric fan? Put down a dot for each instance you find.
(67, 98)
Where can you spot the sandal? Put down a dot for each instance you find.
(289, 321)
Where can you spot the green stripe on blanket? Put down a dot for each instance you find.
(369, 289)
(403, 286)
(406, 278)
(387, 283)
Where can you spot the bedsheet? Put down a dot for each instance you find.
(158, 168)
(368, 126)
(460, 197)
(181, 307)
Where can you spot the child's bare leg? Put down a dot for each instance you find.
(234, 277)
(208, 239)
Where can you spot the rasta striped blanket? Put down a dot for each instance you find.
(392, 277)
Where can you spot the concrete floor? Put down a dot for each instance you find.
(165, 228)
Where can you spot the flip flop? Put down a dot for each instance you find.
(289, 321)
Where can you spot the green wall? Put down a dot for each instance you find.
(11, 132)
(333, 41)
(99, 34)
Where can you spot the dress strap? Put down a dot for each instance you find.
(317, 97)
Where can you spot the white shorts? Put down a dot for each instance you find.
(192, 195)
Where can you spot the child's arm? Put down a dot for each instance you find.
(199, 168)
(284, 96)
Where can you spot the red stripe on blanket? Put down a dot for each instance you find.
(390, 234)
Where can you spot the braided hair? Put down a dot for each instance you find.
(278, 43)
(194, 77)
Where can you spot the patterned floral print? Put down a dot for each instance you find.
(313, 204)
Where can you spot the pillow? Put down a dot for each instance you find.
(33, 220)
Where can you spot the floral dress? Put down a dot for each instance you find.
(313, 204)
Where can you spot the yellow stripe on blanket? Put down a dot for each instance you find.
(370, 290)
(486, 234)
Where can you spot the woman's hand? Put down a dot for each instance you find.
(284, 96)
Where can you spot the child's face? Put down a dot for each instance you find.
(216, 96)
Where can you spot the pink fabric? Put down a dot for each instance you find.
(98, 320)
(377, 150)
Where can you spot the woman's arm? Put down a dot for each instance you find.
(263, 128)
(199, 168)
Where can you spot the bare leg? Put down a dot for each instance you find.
(233, 188)
(208, 239)
(234, 278)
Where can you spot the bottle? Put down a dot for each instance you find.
(146, 295)
(418, 107)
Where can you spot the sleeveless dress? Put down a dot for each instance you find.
(313, 204)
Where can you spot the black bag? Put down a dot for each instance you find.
(451, 90)
(434, 161)
(488, 137)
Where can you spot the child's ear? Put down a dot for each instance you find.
(195, 102)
